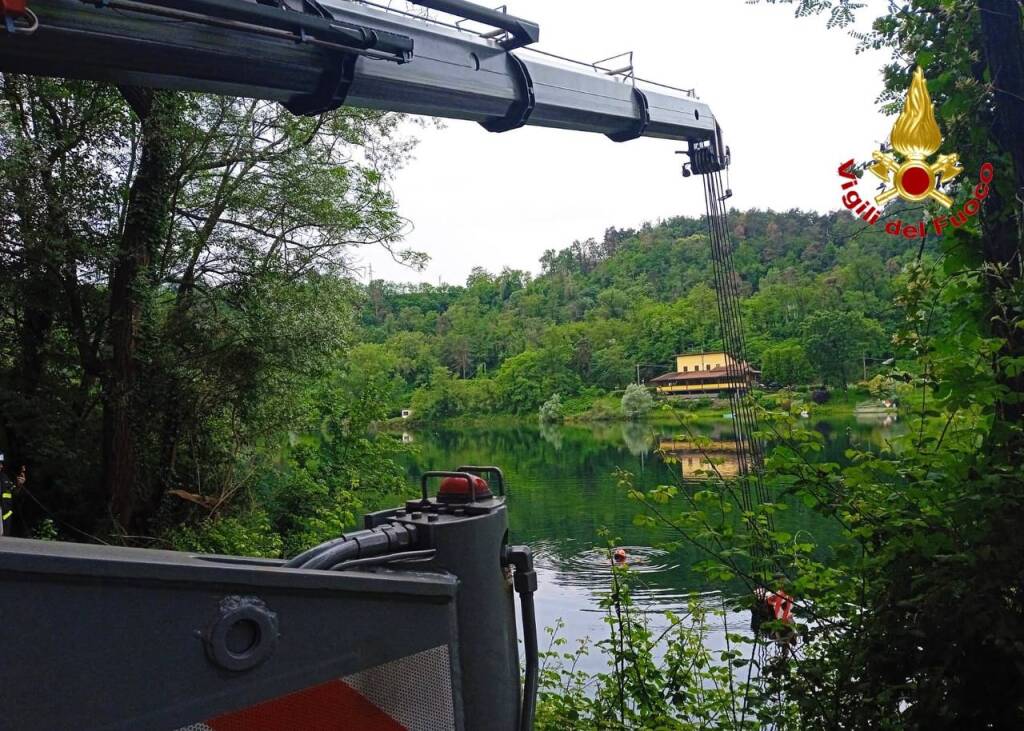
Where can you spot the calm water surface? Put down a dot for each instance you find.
(563, 490)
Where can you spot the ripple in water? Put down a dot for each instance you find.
(655, 589)
(592, 567)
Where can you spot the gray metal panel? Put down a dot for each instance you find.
(574, 99)
(111, 638)
(452, 74)
(670, 113)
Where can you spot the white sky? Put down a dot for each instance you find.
(792, 98)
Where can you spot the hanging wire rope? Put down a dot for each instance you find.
(749, 450)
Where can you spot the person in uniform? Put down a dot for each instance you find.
(7, 490)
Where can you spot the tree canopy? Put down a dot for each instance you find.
(170, 284)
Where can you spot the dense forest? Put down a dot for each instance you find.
(818, 299)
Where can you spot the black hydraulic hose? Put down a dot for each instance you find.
(294, 563)
(400, 557)
(344, 551)
(265, 16)
(390, 538)
(525, 583)
(524, 32)
(532, 662)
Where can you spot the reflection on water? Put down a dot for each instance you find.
(699, 461)
(564, 488)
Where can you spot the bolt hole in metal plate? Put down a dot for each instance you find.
(243, 635)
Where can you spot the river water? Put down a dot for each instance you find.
(564, 493)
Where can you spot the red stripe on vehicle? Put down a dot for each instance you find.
(332, 706)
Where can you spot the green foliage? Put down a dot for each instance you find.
(46, 530)
(786, 363)
(445, 396)
(311, 487)
(525, 380)
(599, 411)
(636, 401)
(437, 400)
(667, 679)
(552, 411)
(835, 339)
(200, 342)
(249, 534)
(636, 297)
(915, 619)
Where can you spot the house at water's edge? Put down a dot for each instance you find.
(698, 373)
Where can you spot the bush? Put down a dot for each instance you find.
(636, 401)
(439, 399)
(684, 404)
(249, 533)
(598, 412)
(655, 680)
(551, 411)
(782, 400)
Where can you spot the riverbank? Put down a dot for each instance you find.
(607, 408)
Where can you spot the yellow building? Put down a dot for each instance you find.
(704, 373)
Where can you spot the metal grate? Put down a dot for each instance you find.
(416, 690)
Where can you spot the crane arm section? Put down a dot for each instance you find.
(315, 55)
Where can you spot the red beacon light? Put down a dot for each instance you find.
(459, 489)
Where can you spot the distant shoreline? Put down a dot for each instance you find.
(842, 408)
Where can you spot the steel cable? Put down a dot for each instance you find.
(749, 451)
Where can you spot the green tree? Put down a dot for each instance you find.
(526, 380)
(937, 513)
(786, 363)
(155, 246)
(551, 411)
(636, 401)
(439, 399)
(835, 339)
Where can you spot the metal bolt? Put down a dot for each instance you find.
(433, 517)
(417, 516)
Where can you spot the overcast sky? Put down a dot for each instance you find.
(792, 98)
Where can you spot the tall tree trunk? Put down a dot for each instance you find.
(145, 228)
(1003, 48)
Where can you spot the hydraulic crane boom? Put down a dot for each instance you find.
(316, 55)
